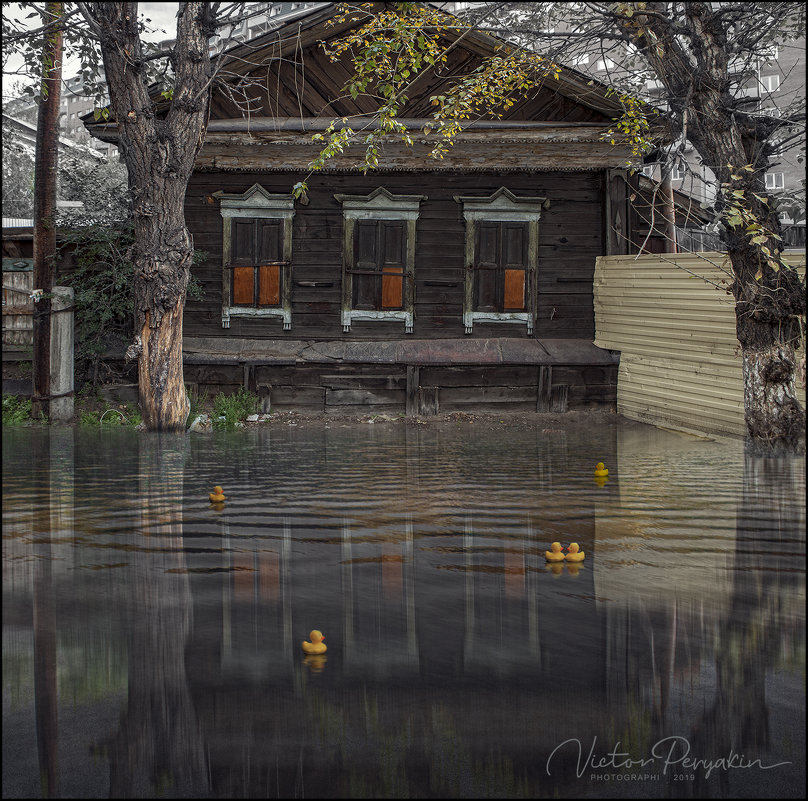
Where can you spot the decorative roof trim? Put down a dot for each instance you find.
(256, 197)
(416, 169)
(381, 202)
(503, 200)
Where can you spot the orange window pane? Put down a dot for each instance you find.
(269, 285)
(514, 289)
(392, 289)
(243, 289)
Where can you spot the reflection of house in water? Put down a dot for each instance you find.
(456, 660)
(439, 622)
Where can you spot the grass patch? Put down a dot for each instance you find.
(111, 417)
(16, 410)
(233, 408)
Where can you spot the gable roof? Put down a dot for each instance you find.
(313, 86)
(287, 80)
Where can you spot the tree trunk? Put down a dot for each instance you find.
(45, 165)
(159, 154)
(766, 313)
(163, 400)
(161, 255)
(769, 295)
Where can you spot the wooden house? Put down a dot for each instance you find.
(458, 283)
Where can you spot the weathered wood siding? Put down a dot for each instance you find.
(395, 388)
(680, 362)
(570, 238)
(18, 308)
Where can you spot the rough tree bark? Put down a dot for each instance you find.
(159, 154)
(691, 58)
(45, 166)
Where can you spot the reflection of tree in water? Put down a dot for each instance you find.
(45, 681)
(158, 749)
(770, 523)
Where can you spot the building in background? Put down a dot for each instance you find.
(777, 85)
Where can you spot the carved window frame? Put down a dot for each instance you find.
(256, 203)
(378, 205)
(501, 206)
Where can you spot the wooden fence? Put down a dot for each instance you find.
(18, 307)
(680, 363)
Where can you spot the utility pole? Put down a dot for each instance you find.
(45, 165)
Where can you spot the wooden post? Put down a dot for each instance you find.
(61, 355)
(45, 165)
(413, 376)
(544, 389)
(428, 400)
(558, 402)
(668, 213)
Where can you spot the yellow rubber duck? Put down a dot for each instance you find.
(600, 470)
(554, 554)
(316, 646)
(574, 555)
(217, 496)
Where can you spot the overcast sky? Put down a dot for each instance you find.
(163, 21)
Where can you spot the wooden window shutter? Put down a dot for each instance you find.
(242, 250)
(394, 254)
(242, 246)
(365, 267)
(514, 249)
(270, 255)
(486, 266)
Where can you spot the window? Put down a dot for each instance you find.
(775, 180)
(502, 236)
(770, 83)
(256, 255)
(648, 171)
(677, 173)
(604, 64)
(378, 264)
(501, 266)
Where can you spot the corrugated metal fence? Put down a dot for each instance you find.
(673, 321)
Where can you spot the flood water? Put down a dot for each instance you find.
(152, 643)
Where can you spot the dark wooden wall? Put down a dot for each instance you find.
(374, 388)
(570, 237)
